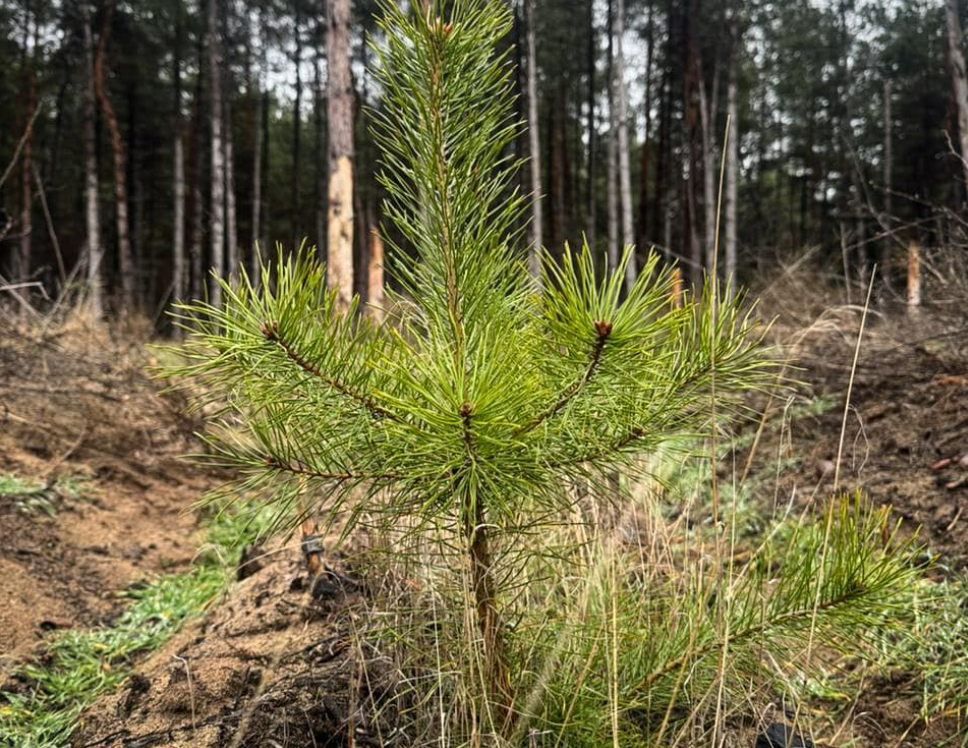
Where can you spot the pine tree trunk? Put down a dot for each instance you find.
(592, 132)
(196, 195)
(707, 119)
(258, 97)
(294, 196)
(611, 175)
(217, 208)
(374, 285)
(319, 207)
(339, 109)
(959, 79)
(691, 158)
(179, 265)
(534, 148)
(27, 195)
(622, 144)
(95, 252)
(125, 258)
(642, 232)
(231, 209)
(732, 159)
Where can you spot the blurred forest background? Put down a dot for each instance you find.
(143, 142)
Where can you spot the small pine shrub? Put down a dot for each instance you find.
(491, 401)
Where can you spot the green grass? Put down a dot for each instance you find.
(32, 496)
(79, 666)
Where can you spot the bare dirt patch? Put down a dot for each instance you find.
(77, 406)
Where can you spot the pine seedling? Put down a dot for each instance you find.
(474, 412)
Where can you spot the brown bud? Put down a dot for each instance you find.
(603, 328)
(465, 410)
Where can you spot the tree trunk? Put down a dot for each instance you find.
(592, 131)
(125, 259)
(217, 208)
(691, 157)
(294, 196)
(196, 196)
(231, 210)
(534, 148)
(888, 166)
(622, 143)
(319, 209)
(179, 266)
(95, 252)
(612, 166)
(374, 286)
(256, 237)
(732, 156)
(339, 109)
(27, 166)
(959, 80)
(707, 121)
(642, 233)
(558, 168)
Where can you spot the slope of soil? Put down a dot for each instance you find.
(906, 436)
(275, 665)
(76, 407)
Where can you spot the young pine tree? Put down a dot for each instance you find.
(484, 399)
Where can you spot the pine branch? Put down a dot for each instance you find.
(298, 468)
(271, 333)
(602, 329)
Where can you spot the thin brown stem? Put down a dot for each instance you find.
(299, 468)
(603, 330)
(271, 333)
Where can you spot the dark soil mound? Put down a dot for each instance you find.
(276, 664)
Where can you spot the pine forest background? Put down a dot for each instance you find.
(169, 136)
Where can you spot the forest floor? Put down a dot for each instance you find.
(94, 500)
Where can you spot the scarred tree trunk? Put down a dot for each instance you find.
(339, 109)
(217, 208)
(959, 79)
(622, 144)
(125, 259)
(534, 148)
(374, 285)
(95, 252)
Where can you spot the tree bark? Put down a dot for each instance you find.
(591, 228)
(179, 265)
(27, 165)
(374, 285)
(611, 192)
(125, 259)
(339, 109)
(217, 208)
(294, 196)
(642, 232)
(95, 252)
(319, 167)
(730, 199)
(622, 143)
(196, 196)
(959, 80)
(260, 104)
(534, 148)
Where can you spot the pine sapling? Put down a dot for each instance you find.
(478, 407)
